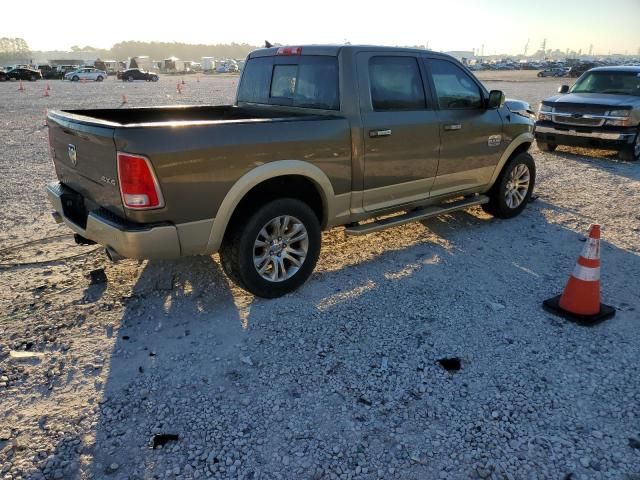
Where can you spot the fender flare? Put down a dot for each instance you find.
(526, 137)
(260, 174)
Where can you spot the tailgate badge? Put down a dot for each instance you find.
(73, 155)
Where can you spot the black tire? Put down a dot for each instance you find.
(154, 78)
(540, 75)
(99, 79)
(238, 249)
(546, 147)
(632, 152)
(75, 78)
(130, 78)
(498, 205)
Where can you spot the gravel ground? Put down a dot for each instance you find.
(340, 379)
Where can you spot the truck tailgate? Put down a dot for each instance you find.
(85, 161)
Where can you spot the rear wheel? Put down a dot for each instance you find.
(130, 78)
(546, 147)
(99, 79)
(513, 188)
(631, 153)
(275, 250)
(154, 78)
(75, 78)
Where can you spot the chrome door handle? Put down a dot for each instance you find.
(379, 133)
(453, 126)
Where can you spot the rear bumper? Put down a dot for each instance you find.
(128, 240)
(607, 139)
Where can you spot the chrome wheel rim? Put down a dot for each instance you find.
(280, 248)
(517, 186)
(636, 147)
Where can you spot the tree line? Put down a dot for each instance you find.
(17, 50)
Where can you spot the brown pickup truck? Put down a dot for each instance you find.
(319, 136)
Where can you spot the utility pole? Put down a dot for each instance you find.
(543, 46)
(591, 49)
(526, 47)
(482, 51)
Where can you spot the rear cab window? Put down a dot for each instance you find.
(309, 81)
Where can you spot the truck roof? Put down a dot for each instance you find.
(618, 68)
(334, 50)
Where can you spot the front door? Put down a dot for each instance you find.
(471, 134)
(401, 132)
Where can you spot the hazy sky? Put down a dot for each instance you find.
(503, 26)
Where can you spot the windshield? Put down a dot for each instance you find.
(621, 83)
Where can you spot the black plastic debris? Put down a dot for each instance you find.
(97, 276)
(634, 443)
(452, 364)
(125, 337)
(161, 439)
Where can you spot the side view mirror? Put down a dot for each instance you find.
(563, 89)
(496, 99)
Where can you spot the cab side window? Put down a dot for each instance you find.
(454, 87)
(396, 84)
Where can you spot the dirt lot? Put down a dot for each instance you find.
(340, 379)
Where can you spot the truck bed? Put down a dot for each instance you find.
(148, 116)
(197, 153)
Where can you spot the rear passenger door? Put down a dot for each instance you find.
(471, 134)
(401, 131)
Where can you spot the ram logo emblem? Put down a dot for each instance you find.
(73, 154)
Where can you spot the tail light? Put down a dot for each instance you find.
(139, 186)
(286, 51)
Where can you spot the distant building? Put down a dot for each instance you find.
(460, 54)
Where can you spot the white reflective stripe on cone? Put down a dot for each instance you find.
(586, 274)
(591, 249)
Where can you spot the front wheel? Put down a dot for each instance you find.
(130, 78)
(154, 78)
(546, 147)
(99, 79)
(275, 250)
(631, 153)
(75, 78)
(513, 188)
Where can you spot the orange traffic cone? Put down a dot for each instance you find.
(183, 81)
(21, 88)
(580, 301)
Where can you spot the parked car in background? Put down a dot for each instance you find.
(577, 70)
(62, 70)
(86, 73)
(23, 74)
(132, 74)
(552, 72)
(260, 179)
(602, 110)
(3, 75)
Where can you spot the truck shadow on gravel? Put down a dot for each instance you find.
(342, 377)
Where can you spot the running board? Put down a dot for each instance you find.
(415, 215)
